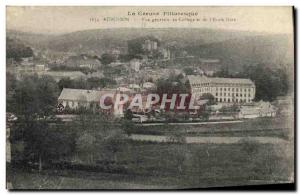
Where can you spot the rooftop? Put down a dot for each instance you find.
(82, 95)
(217, 80)
(70, 74)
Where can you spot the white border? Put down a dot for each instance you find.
(4, 3)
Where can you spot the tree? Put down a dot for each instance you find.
(106, 81)
(86, 143)
(47, 94)
(11, 83)
(188, 71)
(135, 47)
(17, 50)
(35, 97)
(204, 114)
(128, 114)
(126, 57)
(171, 85)
(35, 102)
(107, 58)
(127, 126)
(43, 143)
(65, 83)
(269, 83)
(94, 82)
(209, 97)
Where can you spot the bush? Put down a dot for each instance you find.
(249, 146)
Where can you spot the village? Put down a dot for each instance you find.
(138, 69)
(116, 101)
(71, 100)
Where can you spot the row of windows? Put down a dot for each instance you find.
(235, 100)
(201, 85)
(220, 86)
(233, 89)
(232, 94)
(72, 104)
(224, 89)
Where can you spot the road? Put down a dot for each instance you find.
(210, 140)
(192, 123)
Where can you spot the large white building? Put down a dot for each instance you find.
(75, 98)
(89, 99)
(227, 90)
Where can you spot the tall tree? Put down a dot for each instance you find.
(269, 83)
(35, 97)
(35, 102)
(107, 58)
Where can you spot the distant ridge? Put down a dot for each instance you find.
(234, 48)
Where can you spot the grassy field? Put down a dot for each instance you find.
(172, 166)
(273, 127)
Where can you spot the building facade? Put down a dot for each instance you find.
(258, 109)
(226, 90)
(150, 45)
(73, 99)
(76, 98)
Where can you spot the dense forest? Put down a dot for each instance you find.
(17, 50)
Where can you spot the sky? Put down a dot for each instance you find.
(63, 19)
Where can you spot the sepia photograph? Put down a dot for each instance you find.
(150, 97)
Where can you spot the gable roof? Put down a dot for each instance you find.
(217, 80)
(82, 95)
(71, 74)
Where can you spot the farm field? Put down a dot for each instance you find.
(144, 165)
(260, 127)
